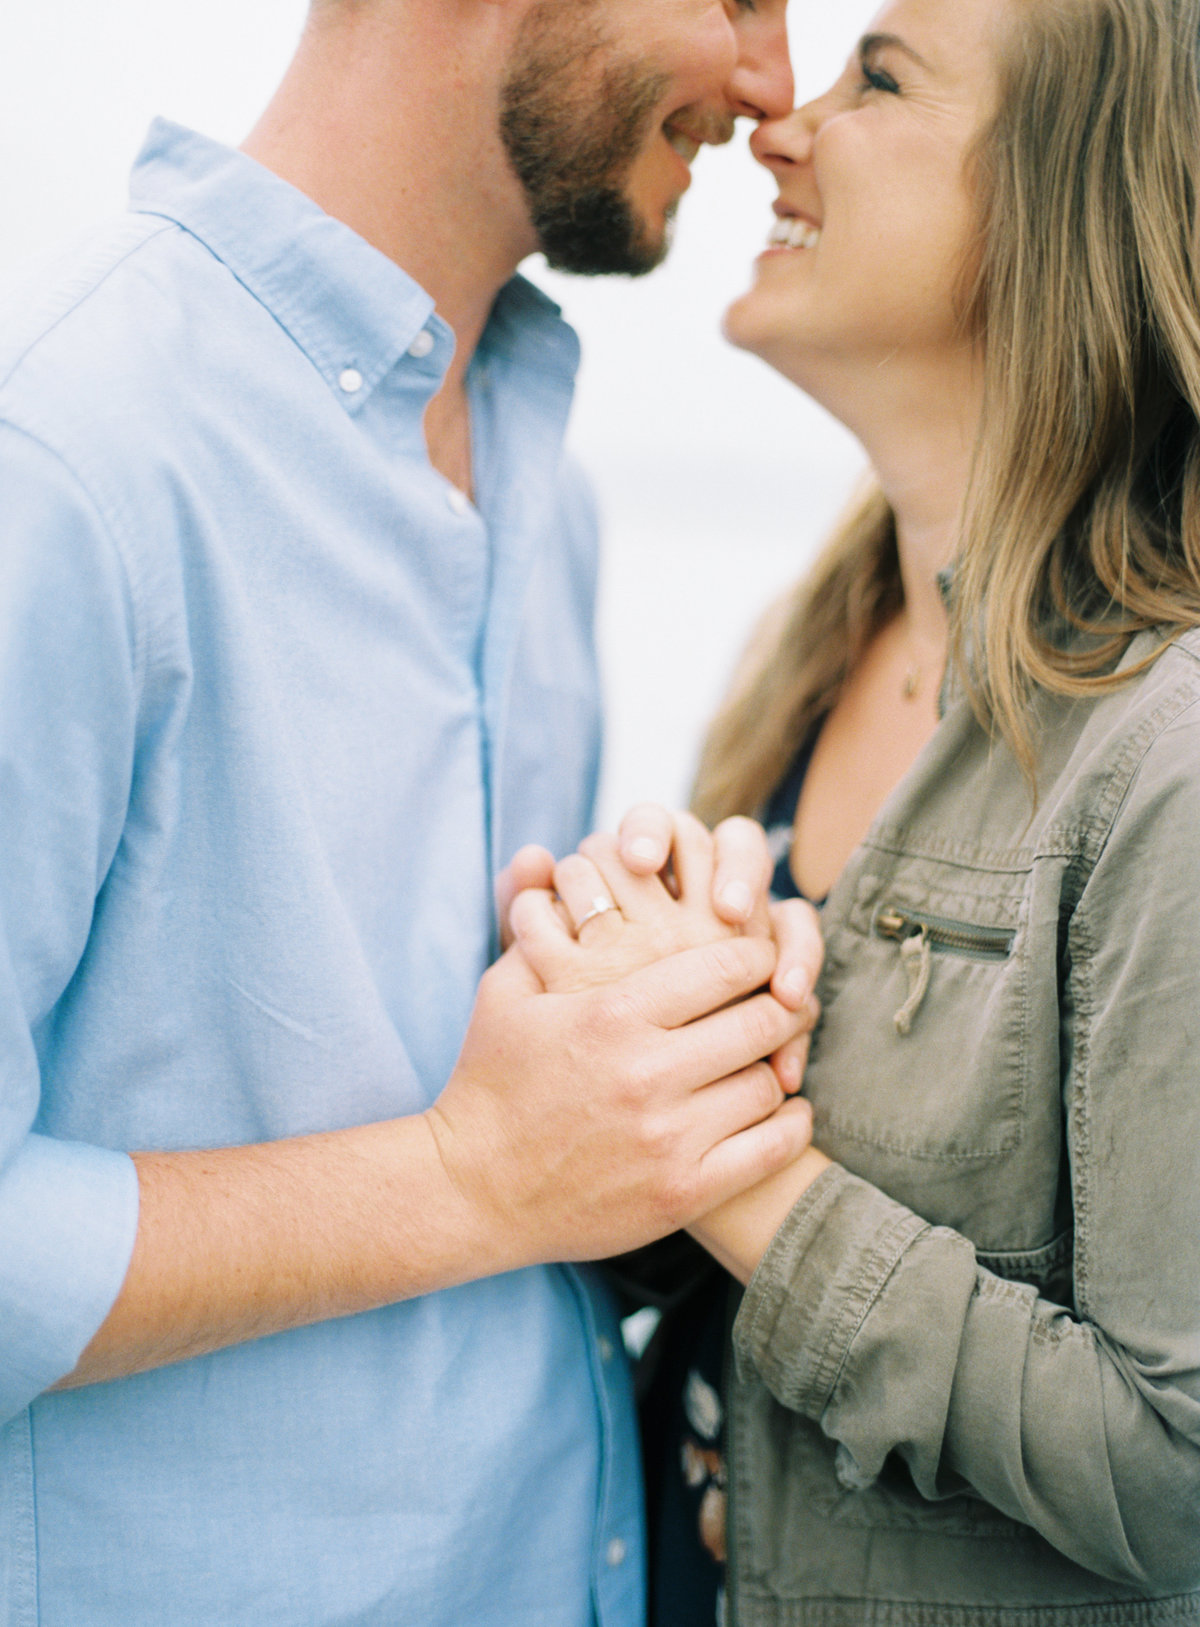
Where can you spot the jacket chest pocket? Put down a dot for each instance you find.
(922, 1057)
(922, 936)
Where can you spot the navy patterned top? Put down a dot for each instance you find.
(683, 1408)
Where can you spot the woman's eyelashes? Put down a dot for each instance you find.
(875, 78)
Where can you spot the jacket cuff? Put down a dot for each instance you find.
(815, 1285)
(68, 1219)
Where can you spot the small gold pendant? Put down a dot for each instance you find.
(912, 681)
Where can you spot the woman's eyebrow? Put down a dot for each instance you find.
(876, 42)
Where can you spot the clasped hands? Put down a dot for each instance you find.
(663, 885)
(632, 1070)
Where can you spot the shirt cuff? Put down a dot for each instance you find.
(68, 1219)
(816, 1284)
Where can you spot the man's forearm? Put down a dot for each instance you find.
(573, 1127)
(242, 1242)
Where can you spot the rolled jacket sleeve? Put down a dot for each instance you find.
(1082, 1421)
(68, 688)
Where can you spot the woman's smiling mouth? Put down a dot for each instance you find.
(793, 232)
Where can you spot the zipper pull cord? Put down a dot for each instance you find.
(917, 956)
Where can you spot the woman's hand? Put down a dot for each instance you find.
(645, 841)
(602, 921)
(592, 920)
(739, 889)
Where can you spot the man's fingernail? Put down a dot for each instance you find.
(737, 898)
(795, 988)
(646, 850)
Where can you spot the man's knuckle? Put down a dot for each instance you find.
(775, 1143)
(762, 1025)
(641, 1087)
(613, 1012)
(677, 1196)
(659, 1143)
(767, 1091)
(727, 964)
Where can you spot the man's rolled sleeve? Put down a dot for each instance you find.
(68, 723)
(68, 1217)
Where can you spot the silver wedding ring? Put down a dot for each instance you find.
(600, 906)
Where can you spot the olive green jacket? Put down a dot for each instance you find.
(967, 1376)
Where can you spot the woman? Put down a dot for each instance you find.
(967, 1376)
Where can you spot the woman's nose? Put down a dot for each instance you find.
(786, 140)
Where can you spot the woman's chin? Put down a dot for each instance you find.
(749, 327)
(765, 327)
(742, 323)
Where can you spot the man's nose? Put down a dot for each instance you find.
(761, 85)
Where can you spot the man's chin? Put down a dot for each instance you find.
(601, 236)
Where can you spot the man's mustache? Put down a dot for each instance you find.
(710, 126)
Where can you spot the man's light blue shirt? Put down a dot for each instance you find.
(275, 702)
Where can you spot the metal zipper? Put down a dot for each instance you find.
(918, 937)
(953, 937)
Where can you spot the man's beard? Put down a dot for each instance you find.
(572, 138)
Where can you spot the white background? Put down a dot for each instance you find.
(716, 479)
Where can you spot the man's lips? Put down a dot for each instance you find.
(696, 127)
(686, 146)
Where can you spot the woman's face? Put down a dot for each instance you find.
(874, 216)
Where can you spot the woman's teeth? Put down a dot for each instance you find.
(790, 232)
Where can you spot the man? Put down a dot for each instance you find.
(295, 603)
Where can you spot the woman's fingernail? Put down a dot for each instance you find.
(737, 898)
(645, 850)
(789, 1072)
(795, 989)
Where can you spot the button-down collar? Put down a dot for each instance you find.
(352, 311)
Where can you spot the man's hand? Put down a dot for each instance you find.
(586, 1123)
(573, 939)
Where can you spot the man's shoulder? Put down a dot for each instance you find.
(63, 300)
(113, 354)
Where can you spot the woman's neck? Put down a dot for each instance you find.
(921, 441)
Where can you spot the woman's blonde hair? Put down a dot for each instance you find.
(1082, 524)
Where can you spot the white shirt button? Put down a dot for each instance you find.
(459, 502)
(604, 1346)
(422, 345)
(615, 1553)
(350, 380)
